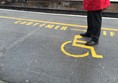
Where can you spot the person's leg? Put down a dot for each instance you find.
(94, 22)
(88, 32)
(96, 25)
(89, 22)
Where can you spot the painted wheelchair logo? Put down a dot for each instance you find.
(80, 44)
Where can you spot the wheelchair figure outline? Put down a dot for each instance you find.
(79, 43)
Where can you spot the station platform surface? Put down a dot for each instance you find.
(40, 47)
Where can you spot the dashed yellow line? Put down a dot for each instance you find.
(112, 34)
(104, 33)
(70, 25)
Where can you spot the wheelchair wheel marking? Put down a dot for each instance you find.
(75, 44)
(72, 55)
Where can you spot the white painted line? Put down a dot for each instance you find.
(41, 13)
(2, 81)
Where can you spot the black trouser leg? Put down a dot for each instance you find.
(94, 20)
(89, 23)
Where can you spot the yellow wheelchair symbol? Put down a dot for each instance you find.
(81, 45)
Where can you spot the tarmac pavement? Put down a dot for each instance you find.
(40, 47)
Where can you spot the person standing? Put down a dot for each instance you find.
(94, 19)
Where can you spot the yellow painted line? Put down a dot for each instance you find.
(109, 29)
(14, 18)
(78, 30)
(70, 25)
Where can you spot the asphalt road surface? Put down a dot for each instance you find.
(40, 47)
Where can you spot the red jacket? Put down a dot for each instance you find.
(92, 5)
